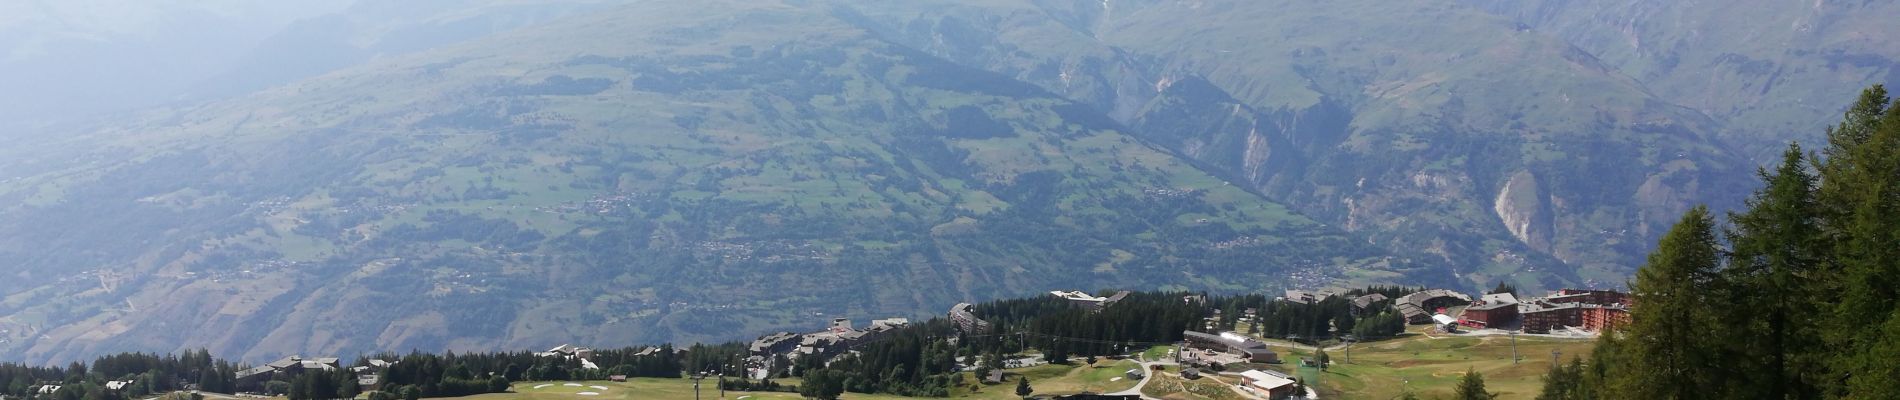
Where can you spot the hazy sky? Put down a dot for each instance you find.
(80, 60)
(69, 58)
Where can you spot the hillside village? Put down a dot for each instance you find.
(1212, 344)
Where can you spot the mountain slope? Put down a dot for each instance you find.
(1769, 70)
(735, 167)
(1516, 157)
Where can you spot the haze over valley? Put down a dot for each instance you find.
(343, 178)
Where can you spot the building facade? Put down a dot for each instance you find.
(1230, 342)
(964, 316)
(1493, 310)
(1593, 310)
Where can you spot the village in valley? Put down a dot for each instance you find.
(1235, 363)
(1389, 341)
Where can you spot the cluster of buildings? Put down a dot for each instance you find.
(1586, 309)
(836, 339)
(288, 366)
(1592, 310)
(572, 352)
(367, 376)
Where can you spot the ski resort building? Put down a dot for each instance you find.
(1417, 308)
(1493, 310)
(1252, 350)
(288, 366)
(1590, 310)
(967, 321)
(1087, 301)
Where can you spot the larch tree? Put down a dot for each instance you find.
(1866, 186)
(1669, 351)
(1774, 264)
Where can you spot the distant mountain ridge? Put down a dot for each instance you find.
(1768, 70)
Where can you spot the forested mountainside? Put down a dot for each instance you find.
(507, 174)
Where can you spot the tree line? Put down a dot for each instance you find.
(1796, 296)
(148, 374)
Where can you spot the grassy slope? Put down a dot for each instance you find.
(1431, 365)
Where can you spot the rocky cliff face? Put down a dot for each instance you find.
(1525, 211)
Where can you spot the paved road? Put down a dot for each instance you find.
(1147, 373)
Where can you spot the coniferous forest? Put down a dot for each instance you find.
(1792, 297)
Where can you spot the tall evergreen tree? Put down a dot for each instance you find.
(1866, 185)
(1772, 313)
(1564, 382)
(1806, 302)
(1471, 387)
(1857, 124)
(1670, 355)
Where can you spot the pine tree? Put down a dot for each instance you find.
(1565, 382)
(1022, 387)
(1503, 288)
(1669, 356)
(1472, 387)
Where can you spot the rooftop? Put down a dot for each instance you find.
(1076, 296)
(1264, 380)
(1367, 300)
